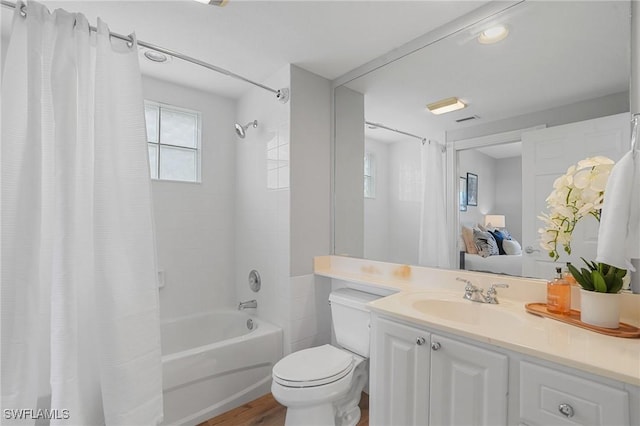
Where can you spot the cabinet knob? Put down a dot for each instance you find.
(566, 410)
(435, 346)
(420, 341)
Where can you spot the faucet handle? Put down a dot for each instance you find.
(469, 287)
(493, 287)
(492, 293)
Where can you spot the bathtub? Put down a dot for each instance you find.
(214, 362)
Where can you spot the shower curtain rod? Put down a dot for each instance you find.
(382, 126)
(282, 94)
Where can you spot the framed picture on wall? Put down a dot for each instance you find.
(472, 189)
(463, 194)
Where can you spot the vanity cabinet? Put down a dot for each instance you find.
(420, 378)
(425, 377)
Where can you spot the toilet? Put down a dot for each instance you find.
(322, 385)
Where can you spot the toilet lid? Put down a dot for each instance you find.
(313, 366)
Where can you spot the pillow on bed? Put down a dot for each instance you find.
(485, 243)
(511, 247)
(506, 234)
(467, 236)
(499, 237)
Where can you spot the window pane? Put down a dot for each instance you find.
(151, 117)
(153, 160)
(178, 128)
(369, 188)
(178, 164)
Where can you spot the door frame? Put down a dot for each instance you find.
(452, 184)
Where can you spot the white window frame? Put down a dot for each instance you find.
(197, 149)
(370, 157)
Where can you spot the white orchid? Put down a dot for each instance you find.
(576, 194)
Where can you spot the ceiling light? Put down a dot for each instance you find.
(493, 34)
(446, 105)
(154, 56)
(214, 2)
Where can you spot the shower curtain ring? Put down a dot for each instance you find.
(131, 41)
(23, 10)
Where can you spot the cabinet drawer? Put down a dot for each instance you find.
(550, 397)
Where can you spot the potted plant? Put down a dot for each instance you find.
(577, 194)
(601, 284)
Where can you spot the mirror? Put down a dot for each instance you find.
(560, 63)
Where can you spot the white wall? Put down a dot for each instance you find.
(580, 111)
(348, 173)
(310, 169)
(472, 161)
(508, 199)
(499, 189)
(309, 320)
(376, 210)
(195, 221)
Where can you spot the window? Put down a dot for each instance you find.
(173, 138)
(369, 175)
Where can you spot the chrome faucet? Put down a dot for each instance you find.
(248, 304)
(475, 294)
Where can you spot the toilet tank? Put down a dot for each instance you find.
(351, 319)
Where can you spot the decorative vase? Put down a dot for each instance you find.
(600, 309)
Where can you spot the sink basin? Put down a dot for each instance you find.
(467, 312)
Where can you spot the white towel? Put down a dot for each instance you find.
(619, 233)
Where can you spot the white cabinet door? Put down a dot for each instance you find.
(468, 384)
(546, 155)
(399, 388)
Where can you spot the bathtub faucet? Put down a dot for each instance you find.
(248, 304)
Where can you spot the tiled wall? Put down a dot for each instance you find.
(309, 322)
(262, 200)
(248, 212)
(195, 222)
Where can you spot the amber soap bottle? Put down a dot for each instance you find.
(559, 294)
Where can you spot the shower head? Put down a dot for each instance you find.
(241, 131)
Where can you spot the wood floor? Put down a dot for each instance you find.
(266, 411)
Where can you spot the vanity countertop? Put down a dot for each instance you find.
(433, 298)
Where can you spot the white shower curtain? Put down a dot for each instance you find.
(434, 243)
(80, 323)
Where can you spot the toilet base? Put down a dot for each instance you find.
(322, 415)
(319, 415)
(331, 409)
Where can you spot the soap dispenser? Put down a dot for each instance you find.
(559, 294)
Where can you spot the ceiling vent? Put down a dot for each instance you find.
(461, 120)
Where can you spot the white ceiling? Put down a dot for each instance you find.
(506, 150)
(556, 54)
(258, 38)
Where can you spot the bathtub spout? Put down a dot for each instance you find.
(248, 304)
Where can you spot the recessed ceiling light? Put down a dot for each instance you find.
(493, 34)
(446, 105)
(154, 56)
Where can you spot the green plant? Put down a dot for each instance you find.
(598, 277)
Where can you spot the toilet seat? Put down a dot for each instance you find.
(313, 367)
